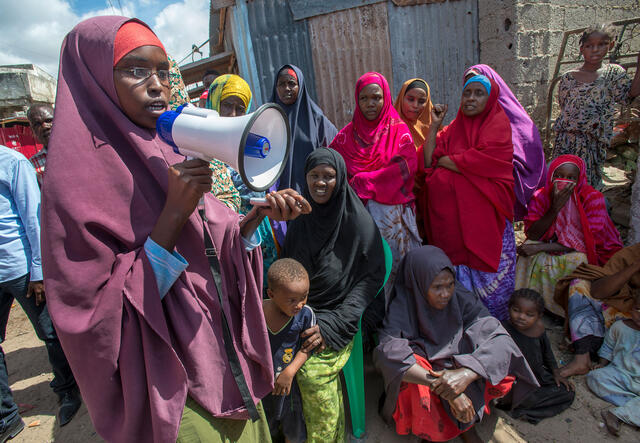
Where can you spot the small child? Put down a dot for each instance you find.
(587, 98)
(617, 377)
(555, 393)
(287, 315)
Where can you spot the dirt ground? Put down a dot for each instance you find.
(29, 376)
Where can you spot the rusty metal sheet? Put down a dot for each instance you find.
(278, 40)
(345, 45)
(310, 8)
(436, 42)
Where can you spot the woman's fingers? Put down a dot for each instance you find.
(312, 330)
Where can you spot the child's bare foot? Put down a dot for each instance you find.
(580, 365)
(471, 436)
(611, 422)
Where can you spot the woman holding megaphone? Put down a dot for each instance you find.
(157, 306)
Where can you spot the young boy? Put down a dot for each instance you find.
(617, 377)
(525, 326)
(287, 315)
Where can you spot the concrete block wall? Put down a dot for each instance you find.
(521, 39)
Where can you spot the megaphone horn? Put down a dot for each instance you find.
(257, 145)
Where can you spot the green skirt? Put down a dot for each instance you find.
(199, 426)
(322, 405)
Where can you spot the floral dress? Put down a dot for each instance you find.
(179, 95)
(585, 125)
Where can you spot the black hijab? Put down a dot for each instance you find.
(461, 334)
(310, 129)
(340, 246)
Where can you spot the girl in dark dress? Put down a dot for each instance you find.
(555, 393)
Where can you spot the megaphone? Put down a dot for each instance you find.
(257, 145)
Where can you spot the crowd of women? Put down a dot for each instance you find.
(169, 343)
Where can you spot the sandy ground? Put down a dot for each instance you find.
(29, 375)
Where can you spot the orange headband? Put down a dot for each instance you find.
(133, 35)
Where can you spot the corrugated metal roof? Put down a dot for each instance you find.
(278, 40)
(345, 45)
(436, 42)
(310, 8)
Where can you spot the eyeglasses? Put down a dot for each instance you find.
(143, 74)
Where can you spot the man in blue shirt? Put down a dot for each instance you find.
(21, 279)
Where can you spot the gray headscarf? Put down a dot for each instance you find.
(463, 334)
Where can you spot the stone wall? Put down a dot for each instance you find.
(521, 39)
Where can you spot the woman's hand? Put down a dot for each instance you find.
(462, 408)
(560, 380)
(438, 112)
(188, 181)
(313, 340)
(560, 197)
(450, 383)
(528, 249)
(285, 205)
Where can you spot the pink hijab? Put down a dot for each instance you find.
(380, 155)
(136, 356)
(583, 223)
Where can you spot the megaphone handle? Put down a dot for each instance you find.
(200, 205)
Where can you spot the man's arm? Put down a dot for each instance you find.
(26, 196)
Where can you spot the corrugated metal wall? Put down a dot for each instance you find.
(278, 40)
(436, 42)
(345, 45)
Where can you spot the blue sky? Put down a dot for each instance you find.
(31, 31)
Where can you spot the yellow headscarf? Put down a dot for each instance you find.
(420, 128)
(228, 85)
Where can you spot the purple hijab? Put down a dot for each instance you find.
(136, 357)
(528, 156)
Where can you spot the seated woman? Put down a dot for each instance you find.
(414, 108)
(593, 298)
(528, 156)
(468, 193)
(153, 334)
(567, 225)
(230, 95)
(441, 353)
(381, 165)
(310, 129)
(341, 248)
